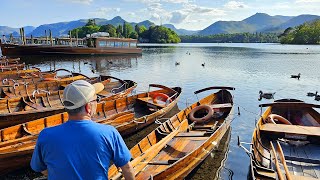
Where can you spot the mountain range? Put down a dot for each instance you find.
(259, 22)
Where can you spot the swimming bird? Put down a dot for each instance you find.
(177, 63)
(310, 94)
(296, 76)
(317, 98)
(266, 95)
(189, 53)
(203, 64)
(110, 62)
(85, 63)
(92, 70)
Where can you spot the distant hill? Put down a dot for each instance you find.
(180, 31)
(295, 21)
(227, 27)
(259, 22)
(262, 20)
(64, 27)
(5, 30)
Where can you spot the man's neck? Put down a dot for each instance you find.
(79, 117)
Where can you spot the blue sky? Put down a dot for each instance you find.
(187, 14)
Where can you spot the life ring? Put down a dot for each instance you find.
(207, 117)
(273, 117)
(163, 96)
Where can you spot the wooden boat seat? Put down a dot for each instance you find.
(217, 106)
(165, 162)
(302, 177)
(290, 129)
(194, 134)
(304, 160)
(105, 93)
(150, 103)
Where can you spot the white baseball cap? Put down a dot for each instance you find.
(79, 93)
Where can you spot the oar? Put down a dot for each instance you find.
(280, 151)
(276, 162)
(152, 152)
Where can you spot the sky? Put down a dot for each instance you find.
(186, 14)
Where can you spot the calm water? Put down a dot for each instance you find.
(247, 67)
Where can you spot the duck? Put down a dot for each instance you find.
(317, 98)
(203, 64)
(310, 94)
(266, 95)
(85, 63)
(92, 70)
(110, 62)
(296, 76)
(177, 63)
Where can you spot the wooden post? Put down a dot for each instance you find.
(31, 39)
(45, 33)
(11, 38)
(70, 38)
(77, 37)
(24, 37)
(51, 40)
(21, 35)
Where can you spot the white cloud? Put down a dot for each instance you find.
(103, 12)
(82, 1)
(176, 1)
(235, 5)
(178, 16)
(308, 1)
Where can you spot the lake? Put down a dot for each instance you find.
(247, 67)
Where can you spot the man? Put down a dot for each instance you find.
(81, 148)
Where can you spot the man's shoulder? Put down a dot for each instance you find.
(51, 130)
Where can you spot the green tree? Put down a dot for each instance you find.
(161, 34)
(119, 31)
(109, 28)
(307, 33)
(133, 35)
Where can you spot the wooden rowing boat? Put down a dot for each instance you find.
(286, 142)
(179, 144)
(44, 77)
(6, 61)
(127, 114)
(11, 67)
(34, 72)
(45, 102)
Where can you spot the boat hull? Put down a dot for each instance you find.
(296, 143)
(19, 141)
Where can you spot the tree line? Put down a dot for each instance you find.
(155, 34)
(234, 38)
(307, 33)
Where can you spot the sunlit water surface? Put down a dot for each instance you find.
(247, 67)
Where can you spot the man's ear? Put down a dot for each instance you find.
(88, 108)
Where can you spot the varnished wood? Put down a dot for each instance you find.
(301, 135)
(37, 103)
(174, 149)
(19, 140)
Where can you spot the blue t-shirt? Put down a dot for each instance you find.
(79, 149)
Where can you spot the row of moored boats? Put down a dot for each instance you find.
(285, 143)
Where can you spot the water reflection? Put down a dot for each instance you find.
(84, 64)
